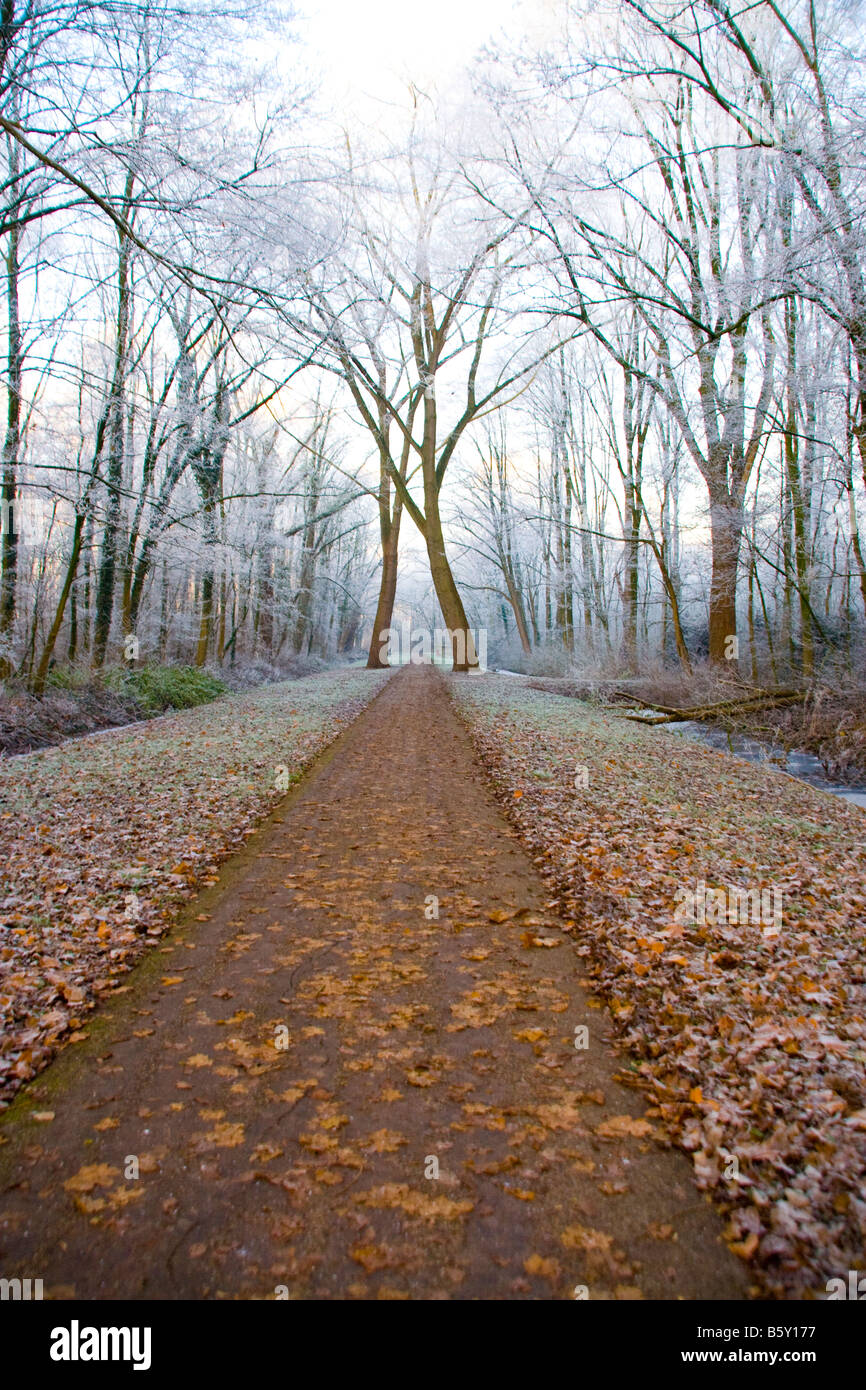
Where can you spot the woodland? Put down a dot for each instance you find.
(337, 966)
(588, 324)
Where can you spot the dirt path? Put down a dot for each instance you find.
(410, 1043)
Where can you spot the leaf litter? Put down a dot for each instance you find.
(747, 1038)
(102, 840)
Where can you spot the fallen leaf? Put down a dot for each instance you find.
(620, 1125)
(90, 1176)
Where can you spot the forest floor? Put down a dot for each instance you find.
(103, 837)
(747, 1029)
(78, 701)
(366, 1062)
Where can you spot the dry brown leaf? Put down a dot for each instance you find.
(90, 1176)
(619, 1126)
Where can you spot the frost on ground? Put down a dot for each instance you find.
(748, 1037)
(102, 838)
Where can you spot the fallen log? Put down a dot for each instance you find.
(666, 714)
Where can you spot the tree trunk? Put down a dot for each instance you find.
(163, 612)
(204, 627)
(221, 631)
(799, 491)
(11, 447)
(105, 583)
(38, 682)
(516, 600)
(727, 529)
(464, 656)
(207, 583)
(631, 584)
(753, 651)
(387, 592)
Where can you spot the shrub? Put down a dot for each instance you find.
(166, 687)
(69, 677)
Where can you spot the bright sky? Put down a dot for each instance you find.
(372, 47)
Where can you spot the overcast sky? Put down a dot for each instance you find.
(371, 48)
